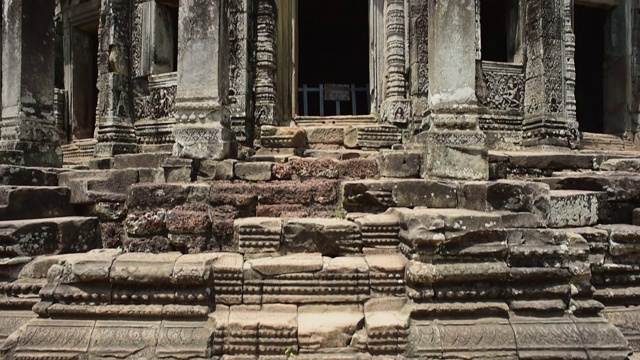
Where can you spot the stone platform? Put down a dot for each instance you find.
(154, 257)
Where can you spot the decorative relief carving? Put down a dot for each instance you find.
(163, 102)
(396, 108)
(265, 84)
(504, 87)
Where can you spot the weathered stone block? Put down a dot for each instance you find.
(325, 135)
(400, 164)
(147, 223)
(187, 222)
(49, 236)
(144, 160)
(99, 185)
(324, 327)
(358, 169)
(254, 171)
(19, 202)
(373, 137)
(25, 176)
(283, 137)
(575, 208)
(327, 236)
(290, 264)
(151, 196)
(141, 268)
(256, 235)
(177, 170)
(216, 170)
(627, 165)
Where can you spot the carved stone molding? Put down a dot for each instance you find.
(242, 42)
(396, 108)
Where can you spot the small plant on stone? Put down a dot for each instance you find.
(340, 213)
(290, 353)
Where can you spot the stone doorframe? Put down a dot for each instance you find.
(74, 16)
(276, 78)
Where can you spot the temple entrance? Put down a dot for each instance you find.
(333, 58)
(500, 30)
(589, 27)
(84, 87)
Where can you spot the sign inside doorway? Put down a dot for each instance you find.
(337, 92)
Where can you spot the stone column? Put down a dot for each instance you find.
(455, 147)
(242, 44)
(114, 126)
(28, 60)
(550, 76)
(266, 112)
(396, 108)
(202, 130)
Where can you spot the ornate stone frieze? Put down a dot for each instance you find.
(241, 66)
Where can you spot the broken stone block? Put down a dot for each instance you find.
(372, 137)
(195, 269)
(93, 266)
(178, 170)
(423, 232)
(327, 236)
(216, 170)
(257, 235)
(99, 185)
(575, 208)
(253, 171)
(290, 264)
(325, 328)
(545, 247)
(283, 137)
(400, 164)
(624, 240)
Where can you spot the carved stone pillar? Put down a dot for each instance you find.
(266, 111)
(455, 147)
(28, 58)
(115, 133)
(419, 59)
(550, 73)
(242, 38)
(202, 130)
(396, 107)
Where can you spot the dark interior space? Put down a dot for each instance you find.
(499, 29)
(333, 49)
(589, 30)
(85, 79)
(174, 21)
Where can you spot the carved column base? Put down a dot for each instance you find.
(456, 153)
(396, 110)
(550, 130)
(209, 141)
(36, 139)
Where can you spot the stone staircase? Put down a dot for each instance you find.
(331, 258)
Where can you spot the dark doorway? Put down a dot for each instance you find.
(85, 79)
(499, 29)
(333, 50)
(589, 29)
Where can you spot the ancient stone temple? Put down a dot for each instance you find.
(320, 179)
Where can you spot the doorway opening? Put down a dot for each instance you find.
(589, 28)
(85, 79)
(166, 37)
(333, 58)
(500, 29)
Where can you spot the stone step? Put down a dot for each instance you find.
(28, 176)
(57, 235)
(33, 202)
(137, 161)
(92, 186)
